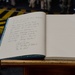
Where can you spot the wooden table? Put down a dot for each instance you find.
(43, 67)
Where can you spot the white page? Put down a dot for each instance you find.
(60, 36)
(24, 35)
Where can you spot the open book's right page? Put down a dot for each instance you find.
(60, 36)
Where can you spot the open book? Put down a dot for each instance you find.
(37, 35)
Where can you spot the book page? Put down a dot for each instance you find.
(24, 35)
(60, 36)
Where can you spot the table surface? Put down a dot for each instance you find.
(37, 62)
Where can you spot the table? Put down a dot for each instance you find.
(43, 67)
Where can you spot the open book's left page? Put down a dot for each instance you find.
(24, 35)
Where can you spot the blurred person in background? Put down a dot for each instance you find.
(13, 3)
(43, 4)
(55, 6)
(0, 2)
(66, 6)
(32, 3)
(48, 4)
(3, 2)
(72, 7)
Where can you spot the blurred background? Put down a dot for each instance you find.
(9, 8)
